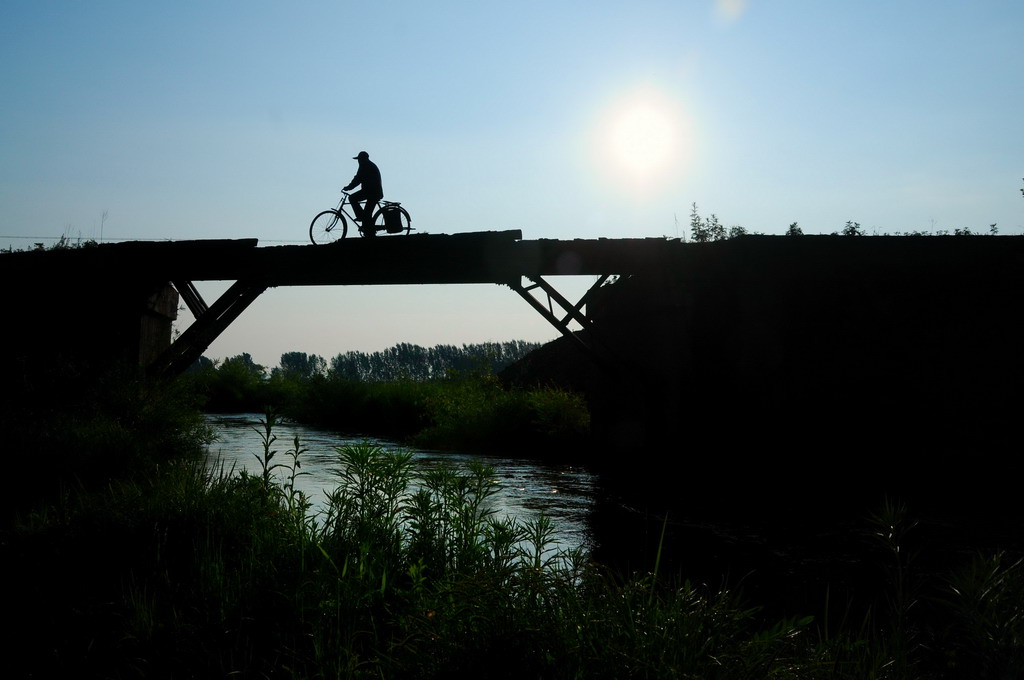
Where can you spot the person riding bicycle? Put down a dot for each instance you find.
(371, 191)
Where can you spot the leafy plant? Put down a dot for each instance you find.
(707, 229)
(852, 229)
(986, 598)
(891, 528)
(267, 440)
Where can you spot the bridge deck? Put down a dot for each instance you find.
(480, 257)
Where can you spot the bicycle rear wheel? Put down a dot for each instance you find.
(327, 227)
(400, 223)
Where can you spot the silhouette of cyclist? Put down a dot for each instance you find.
(368, 176)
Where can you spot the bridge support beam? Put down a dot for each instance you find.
(191, 297)
(589, 340)
(210, 322)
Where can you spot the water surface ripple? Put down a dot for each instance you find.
(565, 493)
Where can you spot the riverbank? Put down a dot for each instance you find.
(459, 411)
(159, 568)
(177, 572)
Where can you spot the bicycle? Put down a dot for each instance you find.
(332, 225)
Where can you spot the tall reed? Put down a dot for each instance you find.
(197, 572)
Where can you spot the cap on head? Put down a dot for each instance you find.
(362, 156)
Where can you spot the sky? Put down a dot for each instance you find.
(563, 118)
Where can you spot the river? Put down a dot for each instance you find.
(565, 493)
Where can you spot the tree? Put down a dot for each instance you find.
(852, 229)
(244, 365)
(794, 230)
(411, 362)
(238, 385)
(301, 365)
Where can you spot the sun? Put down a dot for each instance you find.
(642, 140)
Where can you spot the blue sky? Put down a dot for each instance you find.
(566, 119)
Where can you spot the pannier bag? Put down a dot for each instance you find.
(393, 220)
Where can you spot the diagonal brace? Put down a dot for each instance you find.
(190, 295)
(191, 344)
(589, 340)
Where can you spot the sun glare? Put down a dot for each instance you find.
(642, 140)
(730, 10)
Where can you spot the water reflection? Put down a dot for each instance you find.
(565, 493)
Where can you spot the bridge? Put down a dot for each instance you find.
(146, 279)
(724, 346)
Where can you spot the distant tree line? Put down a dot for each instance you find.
(708, 229)
(405, 361)
(442, 397)
(240, 384)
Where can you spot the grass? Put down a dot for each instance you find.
(196, 572)
(174, 569)
(468, 411)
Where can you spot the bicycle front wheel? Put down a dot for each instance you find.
(392, 220)
(327, 227)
